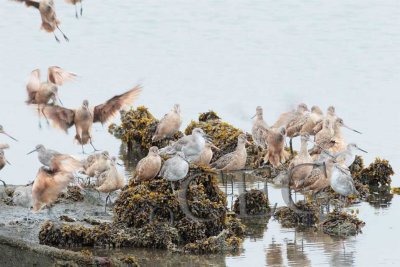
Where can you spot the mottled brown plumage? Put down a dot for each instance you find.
(330, 115)
(276, 153)
(318, 179)
(258, 128)
(235, 160)
(301, 172)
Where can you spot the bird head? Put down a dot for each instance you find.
(242, 139)
(331, 110)
(153, 150)
(38, 148)
(340, 123)
(316, 110)
(302, 108)
(259, 112)
(85, 104)
(177, 108)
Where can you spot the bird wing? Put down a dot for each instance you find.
(59, 76)
(284, 119)
(62, 118)
(223, 161)
(33, 84)
(30, 3)
(107, 110)
(65, 163)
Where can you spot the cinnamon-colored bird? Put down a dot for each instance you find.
(150, 166)
(84, 116)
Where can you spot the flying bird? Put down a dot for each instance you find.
(48, 14)
(84, 116)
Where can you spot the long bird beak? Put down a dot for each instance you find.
(247, 142)
(344, 125)
(10, 136)
(59, 100)
(253, 116)
(32, 151)
(362, 150)
(8, 162)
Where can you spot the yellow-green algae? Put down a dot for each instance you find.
(340, 223)
(307, 215)
(142, 218)
(256, 202)
(377, 173)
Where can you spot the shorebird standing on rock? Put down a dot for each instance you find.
(150, 166)
(84, 116)
(48, 14)
(206, 155)
(169, 124)
(347, 157)
(303, 157)
(259, 126)
(175, 168)
(235, 160)
(191, 145)
(330, 115)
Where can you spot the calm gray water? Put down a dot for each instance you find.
(229, 56)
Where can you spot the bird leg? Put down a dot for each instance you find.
(105, 206)
(50, 212)
(91, 143)
(55, 36)
(47, 120)
(39, 115)
(65, 37)
(81, 9)
(291, 146)
(76, 11)
(4, 183)
(83, 150)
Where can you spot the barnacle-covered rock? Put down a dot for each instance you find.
(255, 202)
(300, 215)
(137, 128)
(341, 224)
(377, 173)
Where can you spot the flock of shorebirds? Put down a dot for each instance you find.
(325, 164)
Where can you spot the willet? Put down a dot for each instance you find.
(2, 131)
(276, 153)
(112, 181)
(191, 145)
(169, 124)
(40, 93)
(84, 117)
(150, 166)
(302, 158)
(48, 14)
(258, 128)
(348, 156)
(330, 115)
(56, 161)
(75, 3)
(206, 155)
(47, 187)
(235, 160)
(341, 182)
(175, 168)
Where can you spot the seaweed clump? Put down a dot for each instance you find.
(255, 203)
(152, 215)
(342, 224)
(137, 128)
(377, 173)
(299, 215)
(73, 193)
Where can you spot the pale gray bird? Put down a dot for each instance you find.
(191, 145)
(342, 182)
(235, 160)
(169, 124)
(56, 161)
(5, 133)
(84, 116)
(348, 156)
(23, 196)
(175, 168)
(259, 125)
(48, 14)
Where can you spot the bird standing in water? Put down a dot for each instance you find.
(48, 14)
(259, 126)
(84, 116)
(169, 124)
(150, 166)
(40, 93)
(235, 160)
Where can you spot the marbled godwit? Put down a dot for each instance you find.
(339, 144)
(56, 161)
(100, 164)
(235, 160)
(75, 2)
(40, 93)
(258, 128)
(191, 145)
(341, 182)
(287, 118)
(84, 117)
(169, 124)
(206, 155)
(5, 133)
(150, 166)
(302, 158)
(348, 156)
(319, 178)
(276, 153)
(47, 186)
(48, 14)
(307, 124)
(175, 168)
(330, 115)
(112, 181)
(323, 139)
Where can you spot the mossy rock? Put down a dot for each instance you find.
(256, 203)
(137, 128)
(377, 173)
(306, 215)
(341, 224)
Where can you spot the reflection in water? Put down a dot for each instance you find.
(380, 197)
(274, 254)
(295, 254)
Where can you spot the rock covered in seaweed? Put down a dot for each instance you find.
(255, 203)
(377, 173)
(300, 215)
(341, 224)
